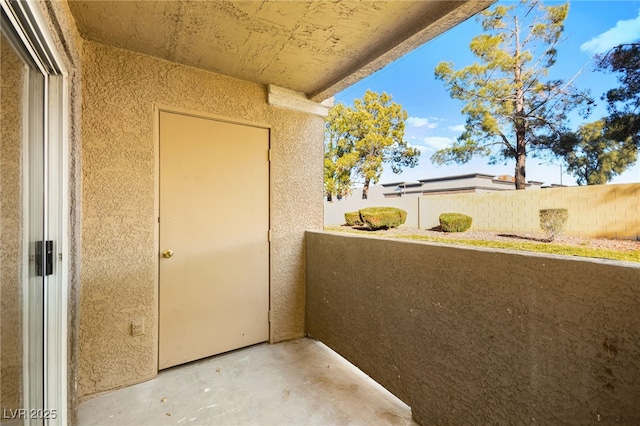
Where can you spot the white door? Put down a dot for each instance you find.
(214, 247)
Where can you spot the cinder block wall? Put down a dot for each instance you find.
(601, 211)
(475, 336)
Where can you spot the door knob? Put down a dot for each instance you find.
(167, 254)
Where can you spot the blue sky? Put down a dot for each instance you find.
(435, 120)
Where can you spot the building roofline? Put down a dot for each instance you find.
(405, 184)
(457, 177)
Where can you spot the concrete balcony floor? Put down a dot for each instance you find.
(301, 382)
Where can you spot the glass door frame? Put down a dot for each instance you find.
(28, 23)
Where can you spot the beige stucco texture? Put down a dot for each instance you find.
(313, 47)
(596, 211)
(121, 93)
(474, 336)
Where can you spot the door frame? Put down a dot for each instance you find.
(39, 44)
(157, 109)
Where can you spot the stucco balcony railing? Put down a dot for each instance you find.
(477, 336)
(461, 335)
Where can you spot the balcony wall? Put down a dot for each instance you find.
(473, 336)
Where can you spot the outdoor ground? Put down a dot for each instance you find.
(590, 247)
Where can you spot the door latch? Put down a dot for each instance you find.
(45, 256)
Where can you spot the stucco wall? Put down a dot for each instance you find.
(473, 336)
(119, 257)
(11, 257)
(598, 211)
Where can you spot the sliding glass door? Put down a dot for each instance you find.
(32, 284)
(22, 230)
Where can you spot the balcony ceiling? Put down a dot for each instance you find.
(314, 47)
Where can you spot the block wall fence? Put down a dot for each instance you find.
(599, 211)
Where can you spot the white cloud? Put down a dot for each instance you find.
(421, 122)
(437, 142)
(457, 128)
(624, 32)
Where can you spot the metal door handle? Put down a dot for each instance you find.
(167, 254)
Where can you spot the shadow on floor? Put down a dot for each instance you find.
(301, 382)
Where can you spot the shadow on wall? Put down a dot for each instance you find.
(624, 222)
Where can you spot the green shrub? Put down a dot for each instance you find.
(455, 222)
(553, 221)
(352, 219)
(383, 217)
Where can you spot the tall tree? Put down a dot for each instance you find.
(366, 136)
(509, 103)
(623, 103)
(593, 155)
(338, 156)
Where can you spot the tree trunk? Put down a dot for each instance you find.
(365, 189)
(520, 123)
(329, 196)
(520, 174)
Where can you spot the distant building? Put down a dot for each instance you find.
(474, 182)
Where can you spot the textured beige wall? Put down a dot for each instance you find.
(472, 336)
(119, 257)
(11, 259)
(599, 211)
